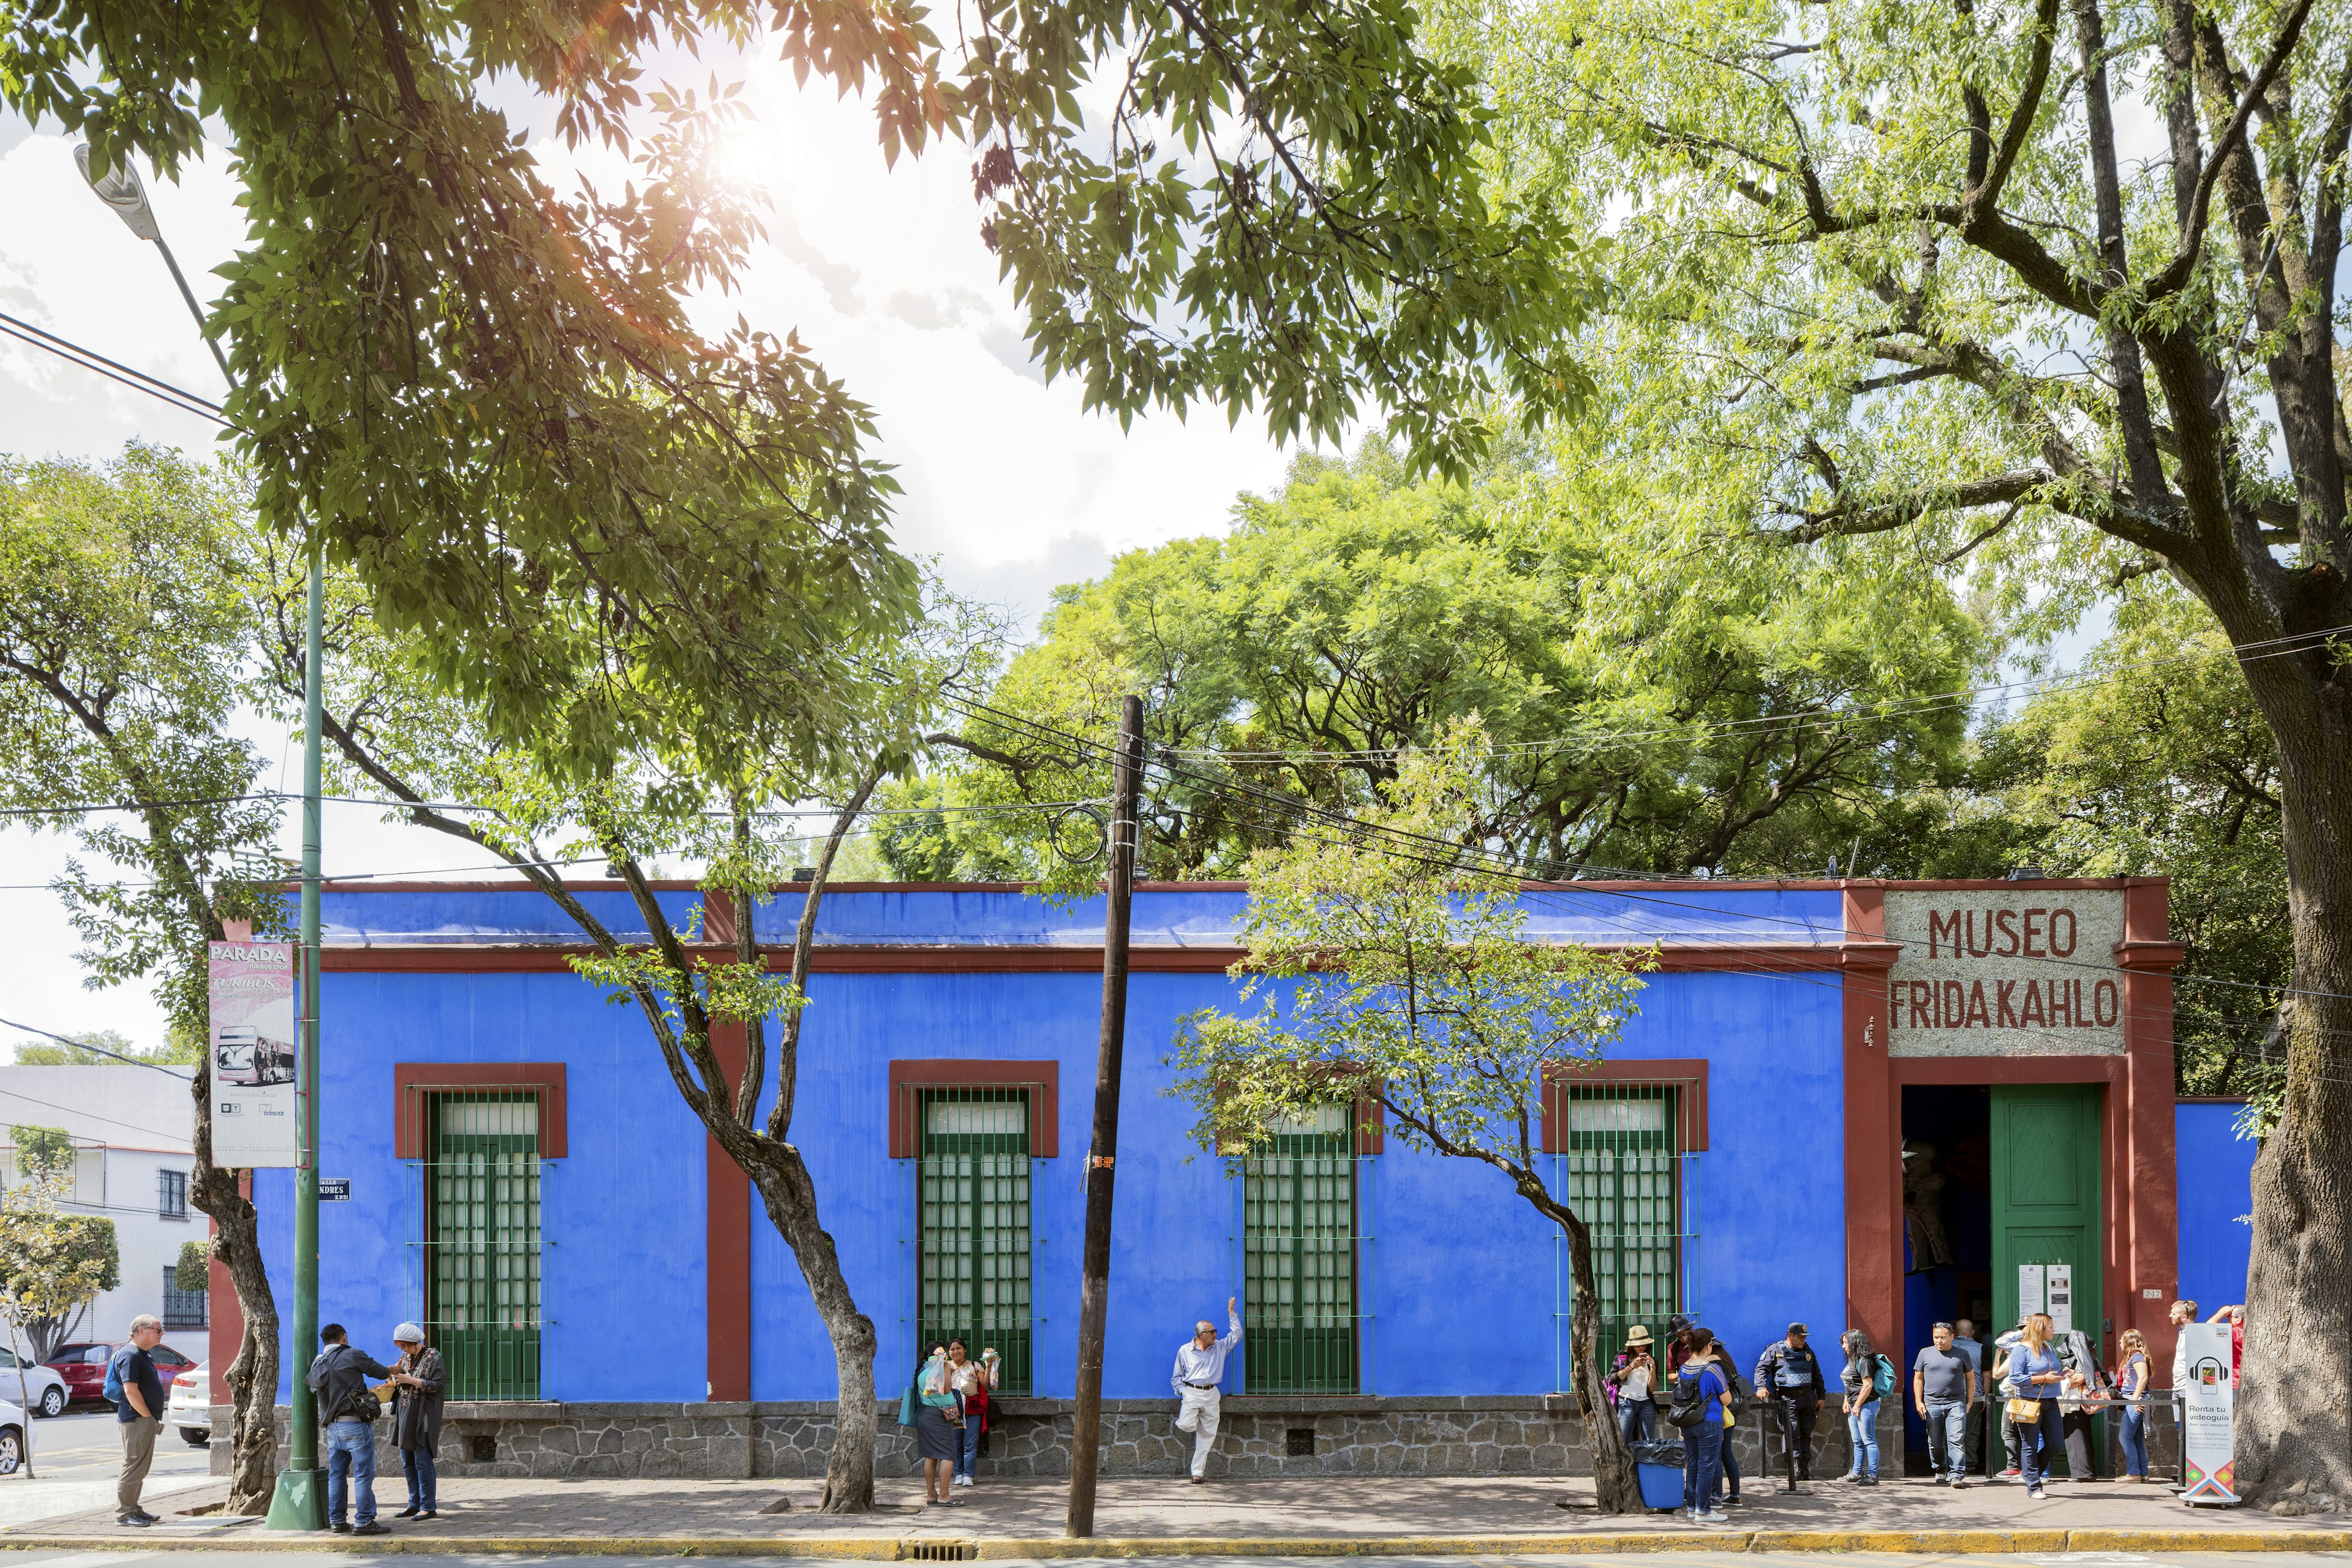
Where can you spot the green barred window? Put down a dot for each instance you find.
(1622, 1172)
(481, 1241)
(1298, 1237)
(973, 1257)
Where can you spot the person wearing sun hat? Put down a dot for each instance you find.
(1789, 1381)
(1635, 1380)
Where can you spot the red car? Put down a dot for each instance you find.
(83, 1366)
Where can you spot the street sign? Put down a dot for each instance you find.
(334, 1189)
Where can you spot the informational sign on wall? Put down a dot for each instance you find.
(2029, 1291)
(257, 1114)
(2024, 969)
(2209, 1405)
(2060, 1296)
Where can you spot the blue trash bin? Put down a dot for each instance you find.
(1662, 1486)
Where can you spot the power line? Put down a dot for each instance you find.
(90, 360)
(101, 1051)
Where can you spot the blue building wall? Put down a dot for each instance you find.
(2216, 1170)
(1463, 1278)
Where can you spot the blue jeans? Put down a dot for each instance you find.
(1702, 1454)
(2134, 1437)
(1638, 1420)
(1862, 1431)
(1947, 1439)
(417, 1463)
(968, 1446)
(350, 1460)
(2034, 1444)
(1730, 1466)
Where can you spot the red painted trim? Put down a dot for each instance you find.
(223, 1314)
(1873, 1119)
(1690, 1072)
(550, 958)
(2152, 1261)
(1044, 1104)
(727, 1247)
(410, 1079)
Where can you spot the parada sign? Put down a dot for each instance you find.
(2028, 969)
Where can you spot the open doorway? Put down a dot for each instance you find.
(1947, 1230)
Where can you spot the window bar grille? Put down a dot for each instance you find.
(971, 1250)
(184, 1308)
(1624, 1172)
(1305, 1258)
(476, 1239)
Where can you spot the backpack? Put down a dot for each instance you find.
(1882, 1381)
(112, 1392)
(1689, 1408)
(1737, 1401)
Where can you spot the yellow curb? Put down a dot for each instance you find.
(909, 1548)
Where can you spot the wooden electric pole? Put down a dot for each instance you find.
(1094, 1298)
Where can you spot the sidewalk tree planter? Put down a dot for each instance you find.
(1393, 976)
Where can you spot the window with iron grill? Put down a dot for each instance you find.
(1622, 1172)
(972, 1244)
(1299, 1258)
(172, 1193)
(184, 1308)
(478, 1192)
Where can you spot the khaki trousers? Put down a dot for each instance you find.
(138, 1454)
(1197, 1414)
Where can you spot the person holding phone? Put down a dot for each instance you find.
(1635, 1379)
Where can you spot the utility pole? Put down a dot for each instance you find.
(299, 1502)
(1094, 1299)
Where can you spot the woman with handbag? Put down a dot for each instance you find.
(938, 1426)
(2035, 1374)
(2132, 1376)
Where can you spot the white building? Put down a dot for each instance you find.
(130, 1128)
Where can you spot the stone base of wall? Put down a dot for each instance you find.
(1531, 1436)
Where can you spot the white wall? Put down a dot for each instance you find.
(128, 1123)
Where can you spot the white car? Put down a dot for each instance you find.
(190, 1406)
(45, 1387)
(12, 1438)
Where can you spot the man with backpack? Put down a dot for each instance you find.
(1788, 1380)
(137, 1390)
(348, 1412)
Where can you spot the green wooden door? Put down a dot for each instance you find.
(482, 1235)
(2046, 1201)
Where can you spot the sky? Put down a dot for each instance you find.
(1009, 484)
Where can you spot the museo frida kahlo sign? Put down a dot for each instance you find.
(2023, 971)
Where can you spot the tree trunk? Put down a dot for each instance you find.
(1614, 1484)
(252, 1375)
(2297, 1385)
(784, 1183)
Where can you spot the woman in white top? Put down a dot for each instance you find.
(1637, 1382)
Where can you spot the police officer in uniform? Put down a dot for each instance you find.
(1789, 1381)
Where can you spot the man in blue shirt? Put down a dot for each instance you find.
(138, 1416)
(1200, 1367)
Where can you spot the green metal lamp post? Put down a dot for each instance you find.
(299, 1502)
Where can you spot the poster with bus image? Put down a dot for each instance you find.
(257, 1117)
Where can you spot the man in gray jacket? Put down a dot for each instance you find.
(347, 1409)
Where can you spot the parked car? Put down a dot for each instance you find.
(44, 1388)
(190, 1406)
(13, 1426)
(84, 1366)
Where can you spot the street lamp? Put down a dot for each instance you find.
(299, 1502)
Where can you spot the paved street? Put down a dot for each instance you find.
(98, 1559)
(75, 1460)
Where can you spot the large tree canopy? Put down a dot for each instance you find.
(2043, 291)
(486, 393)
(1743, 726)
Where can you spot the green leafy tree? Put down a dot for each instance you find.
(53, 1265)
(192, 1270)
(1893, 289)
(42, 1151)
(1762, 728)
(1391, 967)
(124, 633)
(394, 733)
(106, 1047)
(489, 397)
